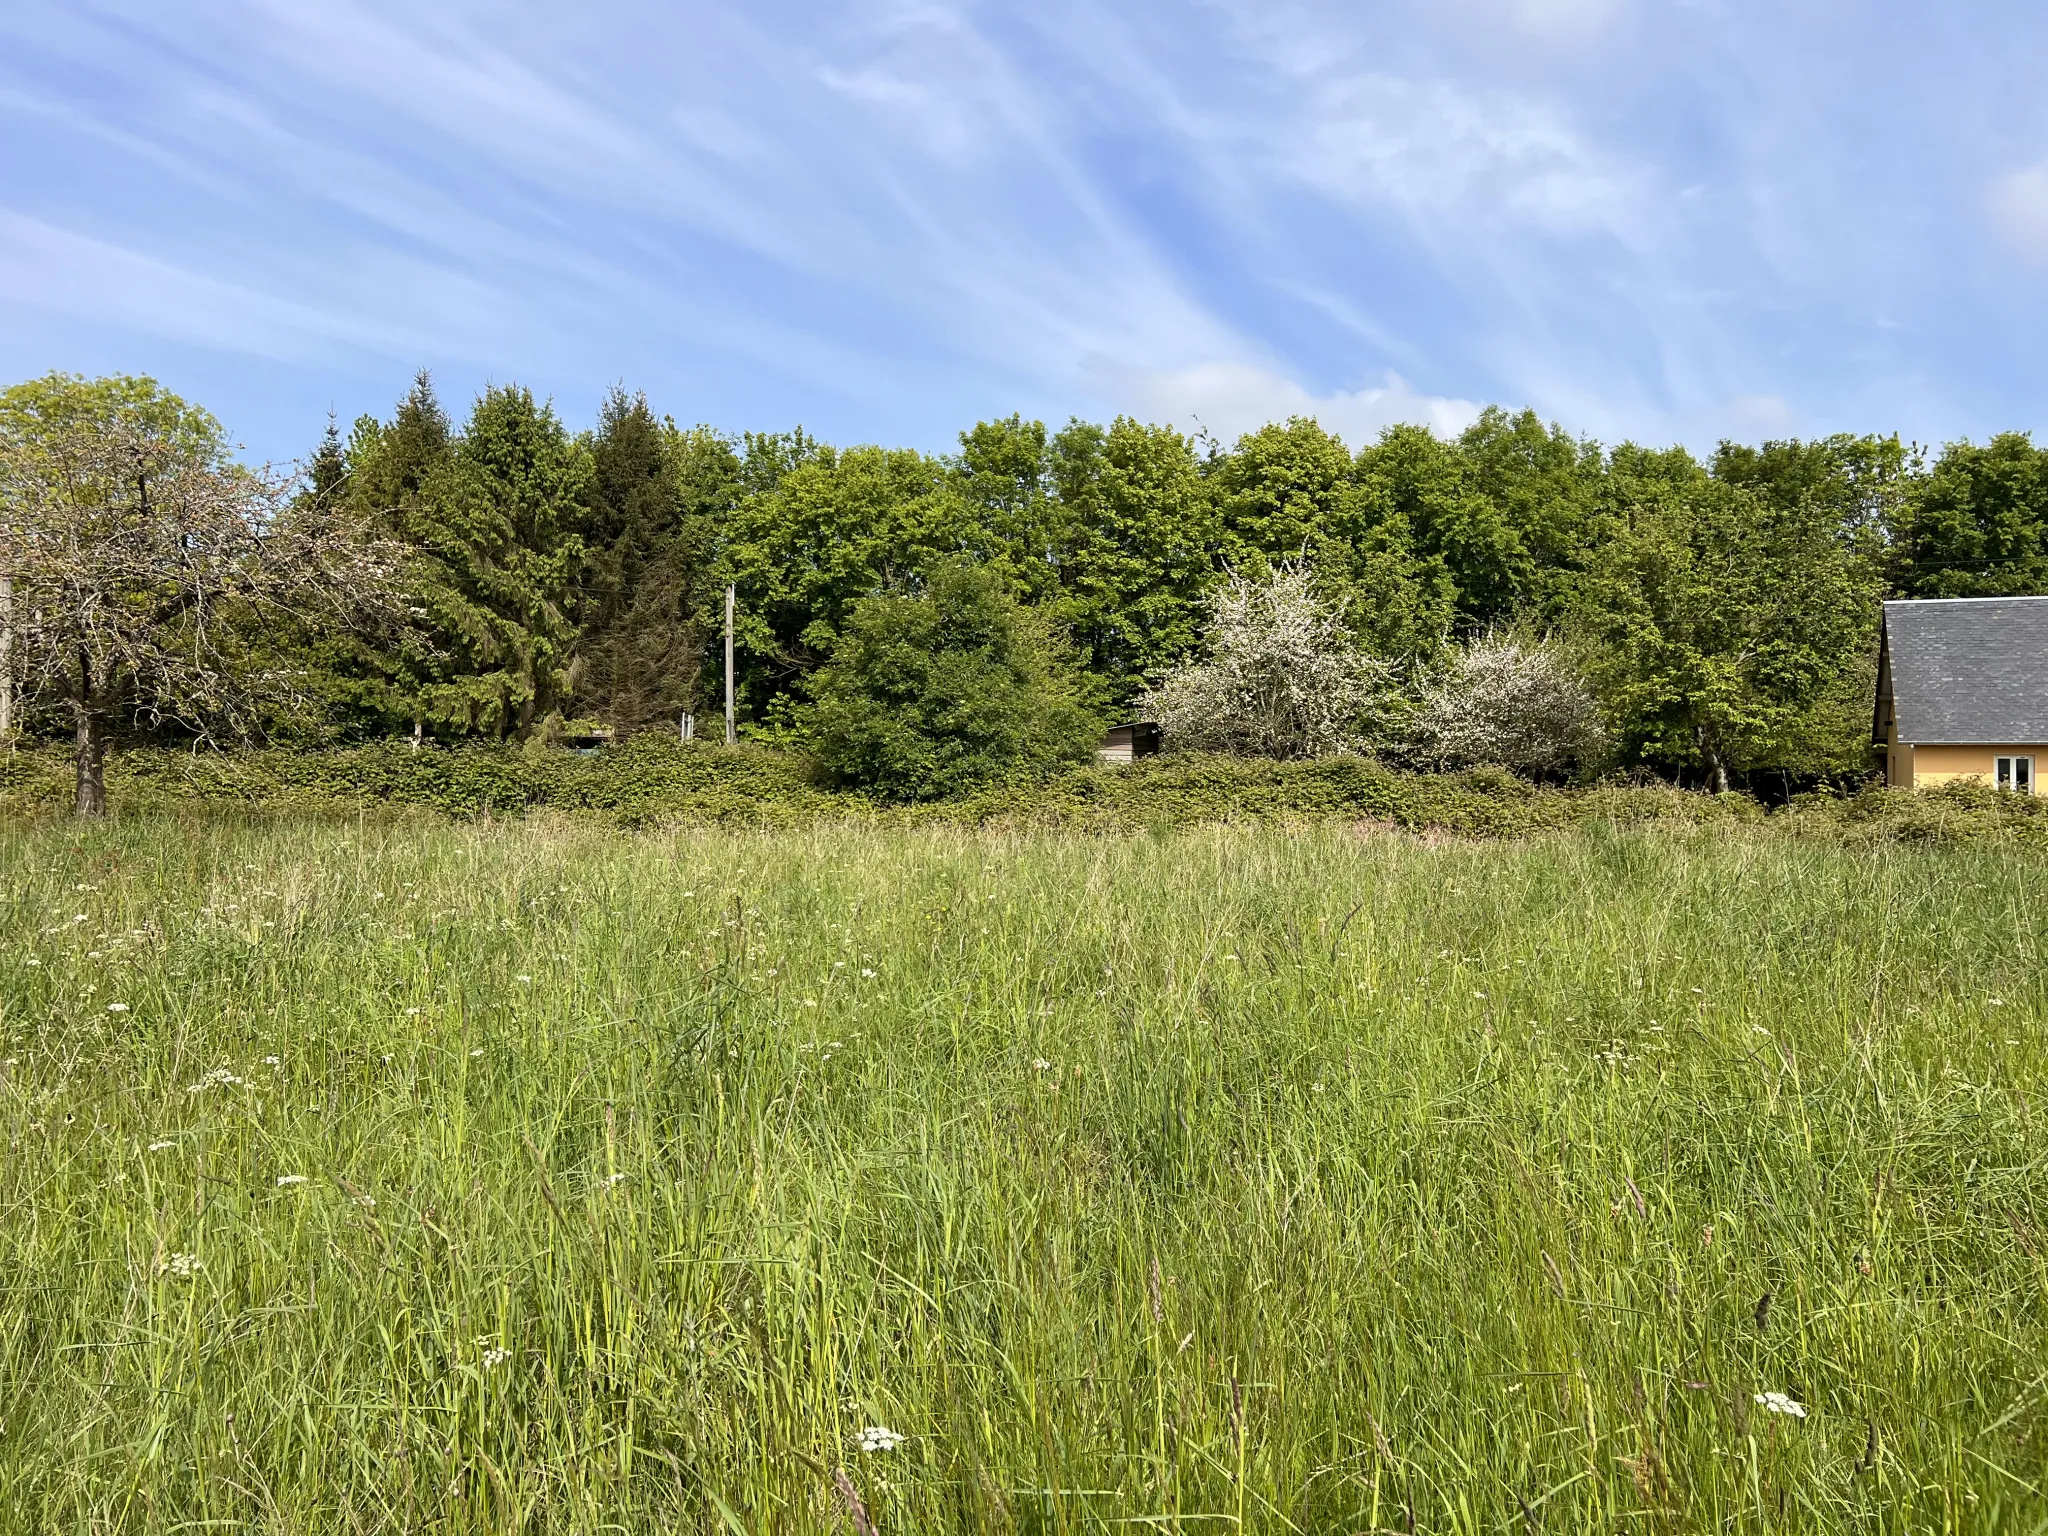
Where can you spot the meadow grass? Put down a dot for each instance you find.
(534, 1176)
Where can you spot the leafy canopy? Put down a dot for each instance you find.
(947, 690)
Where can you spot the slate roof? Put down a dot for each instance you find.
(1971, 670)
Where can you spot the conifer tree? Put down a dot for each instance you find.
(499, 521)
(327, 472)
(656, 495)
(389, 467)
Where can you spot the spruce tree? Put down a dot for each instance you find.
(327, 472)
(490, 517)
(390, 465)
(388, 469)
(655, 498)
(499, 521)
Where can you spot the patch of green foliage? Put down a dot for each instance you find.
(932, 694)
(646, 778)
(654, 780)
(1724, 610)
(364, 1179)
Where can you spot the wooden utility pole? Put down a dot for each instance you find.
(730, 734)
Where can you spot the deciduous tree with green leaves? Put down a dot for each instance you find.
(1734, 632)
(1427, 487)
(829, 531)
(1977, 525)
(948, 688)
(1140, 549)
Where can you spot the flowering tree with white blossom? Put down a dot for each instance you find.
(1282, 678)
(1509, 700)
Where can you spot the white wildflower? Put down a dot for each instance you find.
(522, 977)
(476, 1053)
(867, 973)
(1040, 1065)
(117, 1007)
(412, 1013)
(494, 1355)
(161, 1146)
(1778, 1402)
(878, 1438)
(272, 1061)
(219, 1077)
(182, 1266)
(286, 1180)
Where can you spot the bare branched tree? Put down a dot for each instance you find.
(1510, 700)
(144, 563)
(1282, 678)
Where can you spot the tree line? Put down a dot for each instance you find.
(1723, 610)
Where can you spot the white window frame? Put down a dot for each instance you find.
(2014, 772)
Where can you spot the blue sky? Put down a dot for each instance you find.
(1668, 221)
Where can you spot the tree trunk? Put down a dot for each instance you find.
(1717, 765)
(91, 741)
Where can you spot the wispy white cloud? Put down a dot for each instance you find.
(42, 264)
(1228, 399)
(1553, 20)
(888, 215)
(2019, 208)
(1434, 149)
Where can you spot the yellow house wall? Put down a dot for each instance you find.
(1923, 766)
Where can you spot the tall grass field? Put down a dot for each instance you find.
(537, 1176)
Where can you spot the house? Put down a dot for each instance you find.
(1962, 692)
(1130, 741)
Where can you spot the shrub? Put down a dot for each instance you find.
(1282, 677)
(946, 691)
(1512, 701)
(649, 778)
